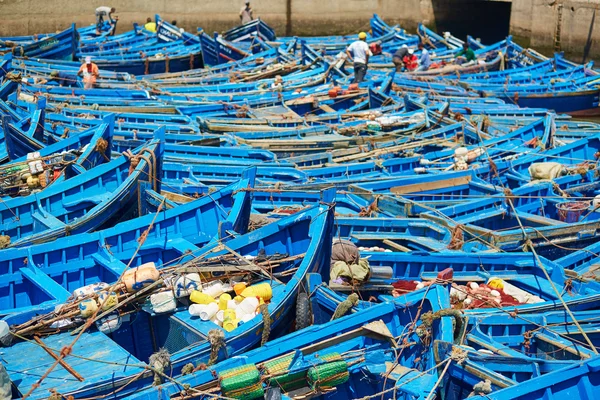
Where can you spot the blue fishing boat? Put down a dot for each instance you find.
(44, 275)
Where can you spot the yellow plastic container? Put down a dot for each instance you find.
(230, 324)
(228, 314)
(238, 288)
(108, 300)
(238, 299)
(201, 298)
(262, 290)
(88, 307)
(223, 301)
(496, 283)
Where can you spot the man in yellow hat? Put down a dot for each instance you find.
(358, 52)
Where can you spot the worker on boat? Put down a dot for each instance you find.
(399, 56)
(61, 78)
(411, 62)
(465, 55)
(246, 13)
(358, 53)
(277, 84)
(174, 23)
(89, 71)
(101, 13)
(150, 25)
(425, 60)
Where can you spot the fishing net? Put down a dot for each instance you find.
(292, 380)
(179, 337)
(242, 383)
(571, 211)
(286, 382)
(326, 376)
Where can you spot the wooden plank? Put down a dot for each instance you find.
(326, 108)
(396, 246)
(425, 186)
(176, 197)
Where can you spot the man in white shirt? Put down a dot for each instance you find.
(246, 13)
(101, 13)
(358, 52)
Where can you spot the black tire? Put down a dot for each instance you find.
(303, 313)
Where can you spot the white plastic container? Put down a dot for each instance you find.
(249, 305)
(197, 309)
(214, 288)
(109, 324)
(187, 283)
(163, 302)
(209, 311)
(89, 289)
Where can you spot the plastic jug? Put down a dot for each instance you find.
(201, 298)
(223, 300)
(138, 278)
(209, 312)
(109, 323)
(230, 324)
(214, 288)
(238, 288)
(108, 300)
(88, 307)
(262, 290)
(187, 283)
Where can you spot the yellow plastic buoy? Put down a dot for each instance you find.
(230, 324)
(496, 283)
(238, 288)
(201, 298)
(228, 314)
(88, 307)
(108, 300)
(223, 301)
(262, 290)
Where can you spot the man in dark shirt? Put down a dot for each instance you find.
(399, 56)
(465, 54)
(62, 78)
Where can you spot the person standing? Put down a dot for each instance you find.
(425, 60)
(150, 26)
(101, 13)
(358, 52)
(399, 56)
(89, 71)
(246, 13)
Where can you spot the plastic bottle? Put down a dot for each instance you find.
(249, 305)
(88, 307)
(262, 290)
(223, 300)
(196, 309)
(238, 288)
(201, 298)
(230, 324)
(229, 314)
(214, 288)
(209, 312)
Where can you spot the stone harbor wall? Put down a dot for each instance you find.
(531, 22)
